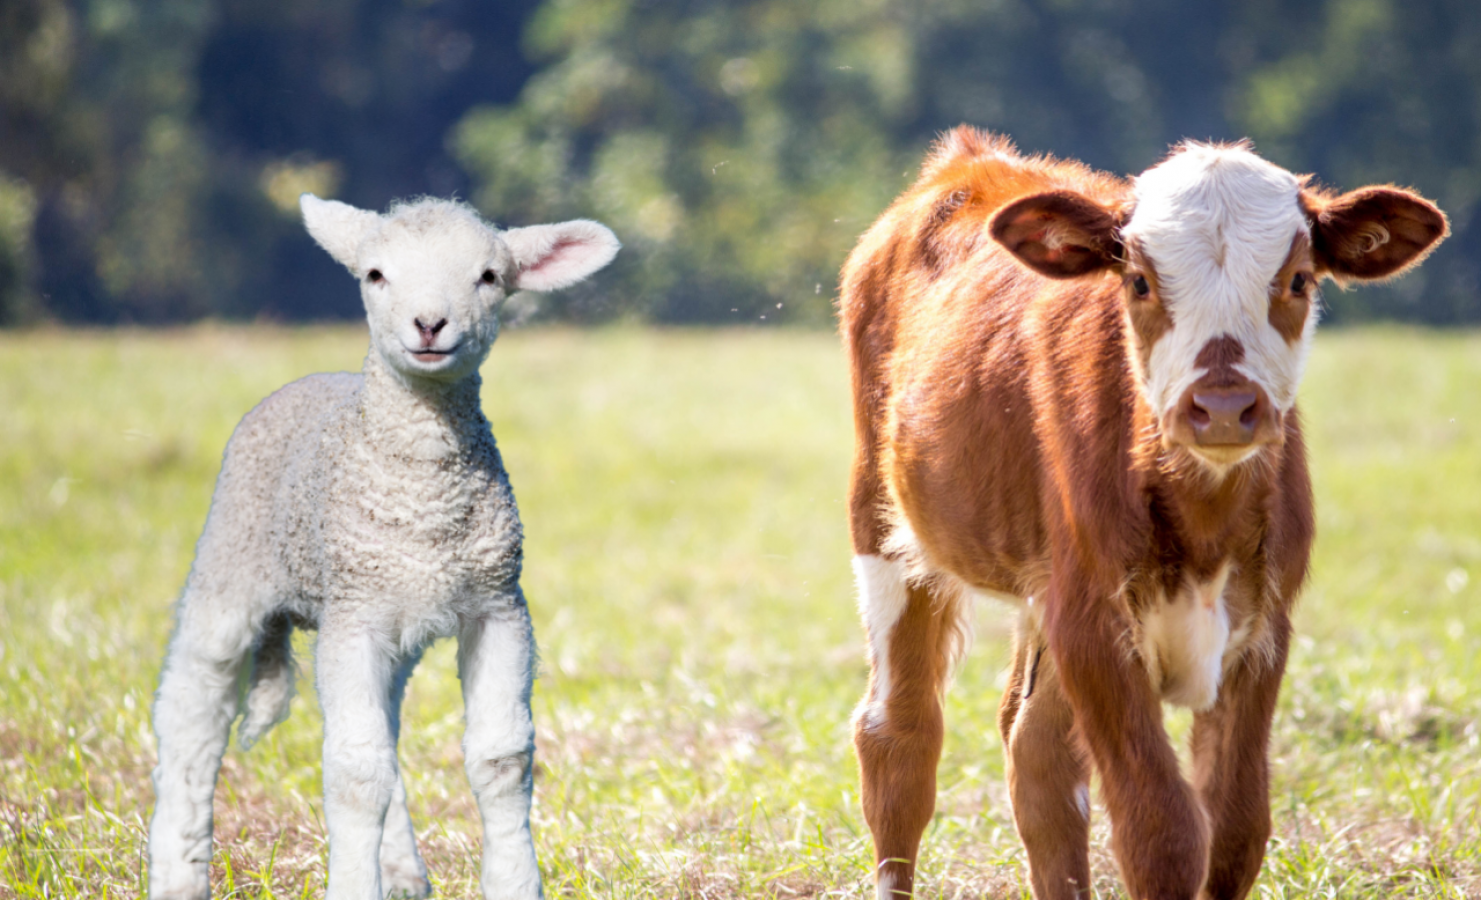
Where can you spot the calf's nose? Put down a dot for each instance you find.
(1224, 415)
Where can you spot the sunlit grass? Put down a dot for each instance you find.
(687, 565)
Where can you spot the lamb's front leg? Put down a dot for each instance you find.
(360, 776)
(193, 713)
(403, 874)
(496, 656)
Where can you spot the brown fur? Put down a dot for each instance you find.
(1289, 310)
(1373, 232)
(997, 412)
(899, 759)
(999, 424)
(1147, 316)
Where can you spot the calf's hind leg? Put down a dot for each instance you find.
(193, 712)
(898, 727)
(1048, 775)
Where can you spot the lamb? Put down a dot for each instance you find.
(375, 508)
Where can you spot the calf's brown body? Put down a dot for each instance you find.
(1005, 445)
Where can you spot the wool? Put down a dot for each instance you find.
(375, 508)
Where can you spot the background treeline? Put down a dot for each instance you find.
(152, 151)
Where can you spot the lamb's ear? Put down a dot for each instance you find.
(1372, 232)
(338, 227)
(1059, 233)
(550, 257)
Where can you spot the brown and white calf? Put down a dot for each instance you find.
(1077, 392)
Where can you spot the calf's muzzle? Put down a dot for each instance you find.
(1225, 416)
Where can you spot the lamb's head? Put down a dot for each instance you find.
(433, 273)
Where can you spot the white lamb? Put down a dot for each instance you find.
(376, 509)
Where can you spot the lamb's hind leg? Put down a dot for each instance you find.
(193, 712)
(496, 663)
(403, 874)
(898, 728)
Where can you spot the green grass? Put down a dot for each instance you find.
(687, 565)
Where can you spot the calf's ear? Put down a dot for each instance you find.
(1060, 234)
(550, 257)
(1372, 232)
(338, 227)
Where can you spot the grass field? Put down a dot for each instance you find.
(687, 566)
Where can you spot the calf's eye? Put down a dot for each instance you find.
(374, 276)
(489, 277)
(1299, 283)
(1140, 287)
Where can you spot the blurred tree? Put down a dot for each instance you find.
(731, 145)
(98, 144)
(151, 153)
(1362, 91)
(740, 148)
(345, 98)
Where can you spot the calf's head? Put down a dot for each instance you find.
(433, 273)
(1220, 254)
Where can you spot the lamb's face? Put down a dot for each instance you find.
(432, 275)
(432, 292)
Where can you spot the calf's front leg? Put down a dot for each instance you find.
(1158, 830)
(496, 664)
(1231, 767)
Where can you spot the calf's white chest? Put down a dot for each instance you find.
(1186, 638)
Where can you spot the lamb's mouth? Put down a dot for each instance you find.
(428, 355)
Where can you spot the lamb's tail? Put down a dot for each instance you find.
(270, 684)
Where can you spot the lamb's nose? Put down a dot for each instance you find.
(429, 332)
(1224, 416)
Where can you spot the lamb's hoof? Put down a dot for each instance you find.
(183, 882)
(405, 880)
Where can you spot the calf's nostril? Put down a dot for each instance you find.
(1221, 405)
(1224, 416)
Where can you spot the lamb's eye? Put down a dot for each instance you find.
(489, 277)
(374, 276)
(1140, 287)
(1299, 283)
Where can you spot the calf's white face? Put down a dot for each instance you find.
(1217, 237)
(433, 273)
(1219, 253)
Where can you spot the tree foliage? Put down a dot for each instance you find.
(152, 152)
(160, 146)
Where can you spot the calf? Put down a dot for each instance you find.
(1077, 392)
